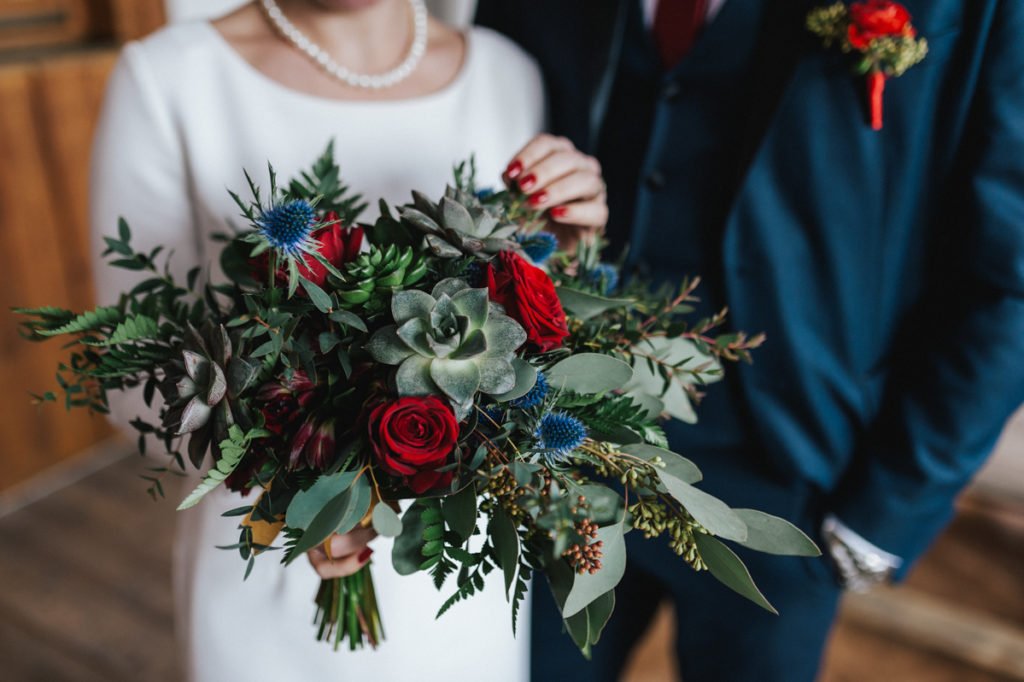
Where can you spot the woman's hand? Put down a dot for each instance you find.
(564, 182)
(348, 553)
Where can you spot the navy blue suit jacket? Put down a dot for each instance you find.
(887, 268)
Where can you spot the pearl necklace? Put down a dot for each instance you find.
(357, 80)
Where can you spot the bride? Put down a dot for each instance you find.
(404, 97)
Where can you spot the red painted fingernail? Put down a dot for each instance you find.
(538, 198)
(514, 169)
(527, 182)
(364, 556)
(559, 211)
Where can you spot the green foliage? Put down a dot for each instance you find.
(584, 305)
(772, 535)
(730, 571)
(386, 521)
(339, 515)
(132, 328)
(588, 587)
(89, 321)
(617, 418)
(323, 184)
(232, 451)
(589, 373)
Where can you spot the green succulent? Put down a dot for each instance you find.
(460, 225)
(452, 342)
(201, 389)
(380, 271)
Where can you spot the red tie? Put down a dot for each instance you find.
(676, 25)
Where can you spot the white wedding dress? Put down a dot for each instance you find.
(184, 115)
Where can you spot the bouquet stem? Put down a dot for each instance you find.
(347, 608)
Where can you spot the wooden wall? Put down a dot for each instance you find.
(49, 100)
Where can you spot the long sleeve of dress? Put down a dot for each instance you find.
(138, 172)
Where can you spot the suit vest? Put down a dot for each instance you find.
(669, 147)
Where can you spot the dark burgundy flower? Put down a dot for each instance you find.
(314, 444)
(284, 401)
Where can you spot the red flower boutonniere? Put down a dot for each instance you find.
(881, 33)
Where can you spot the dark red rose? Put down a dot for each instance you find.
(528, 296)
(412, 437)
(876, 19)
(338, 245)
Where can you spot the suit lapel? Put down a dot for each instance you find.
(783, 40)
(605, 34)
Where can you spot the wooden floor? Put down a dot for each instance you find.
(87, 596)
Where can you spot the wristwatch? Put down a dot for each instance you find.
(861, 565)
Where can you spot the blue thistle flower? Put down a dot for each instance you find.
(494, 415)
(604, 277)
(485, 193)
(536, 395)
(474, 274)
(288, 227)
(538, 246)
(560, 434)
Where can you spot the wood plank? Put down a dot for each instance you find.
(133, 19)
(47, 113)
(43, 23)
(30, 655)
(932, 624)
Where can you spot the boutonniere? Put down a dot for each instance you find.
(880, 32)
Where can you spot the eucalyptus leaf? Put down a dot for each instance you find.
(589, 373)
(606, 505)
(526, 379)
(339, 515)
(584, 306)
(708, 511)
(675, 465)
(308, 503)
(729, 570)
(588, 587)
(774, 535)
(680, 358)
(386, 521)
(599, 612)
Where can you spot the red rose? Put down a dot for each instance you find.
(412, 437)
(876, 19)
(528, 295)
(338, 245)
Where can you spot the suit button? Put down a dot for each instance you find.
(670, 91)
(655, 180)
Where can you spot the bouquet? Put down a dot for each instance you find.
(449, 356)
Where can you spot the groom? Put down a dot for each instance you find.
(886, 267)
